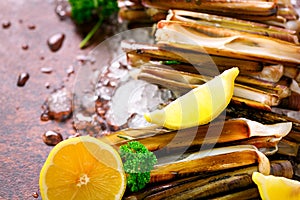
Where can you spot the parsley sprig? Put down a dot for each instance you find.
(138, 161)
(83, 11)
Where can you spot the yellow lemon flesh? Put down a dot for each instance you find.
(199, 106)
(82, 168)
(274, 187)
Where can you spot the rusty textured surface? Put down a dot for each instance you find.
(22, 151)
(23, 48)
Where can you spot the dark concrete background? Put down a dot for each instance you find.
(22, 151)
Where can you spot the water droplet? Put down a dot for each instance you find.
(22, 79)
(70, 70)
(47, 85)
(25, 46)
(44, 116)
(82, 59)
(35, 195)
(31, 26)
(47, 70)
(63, 9)
(55, 41)
(6, 24)
(52, 138)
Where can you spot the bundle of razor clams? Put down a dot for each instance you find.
(195, 41)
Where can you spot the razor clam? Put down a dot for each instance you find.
(233, 24)
(253, 8)
(265, 75)
(268, 145)
(209, 184)
(292, 102)
(239, 181)
(138, 61)
(281, 90)
(262, 116)
(254, 94)
(196, 59)
(182, 82)
(211, 160)
(258, 48)
(237, 101)
(131, 4)
(156, 14)
(134, 15)
(293, 136)
(292, 72)
(289, 148)
(269, 73)
(245, 194)
(287, 11)
(232, 131)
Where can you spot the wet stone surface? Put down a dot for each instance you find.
(24, 150)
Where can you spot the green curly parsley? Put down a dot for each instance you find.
(138, 161)
(83, 11)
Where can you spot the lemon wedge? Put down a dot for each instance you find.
(82, 168)
(199, 106)
(274, 187)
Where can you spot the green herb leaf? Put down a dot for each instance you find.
(83, 11)
(138, 161)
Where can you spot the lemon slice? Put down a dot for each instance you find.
(82, 168)
(199, 106)
(275, 187)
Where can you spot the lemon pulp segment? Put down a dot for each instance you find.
(273, 187)
(82, 168)
(199, 106)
